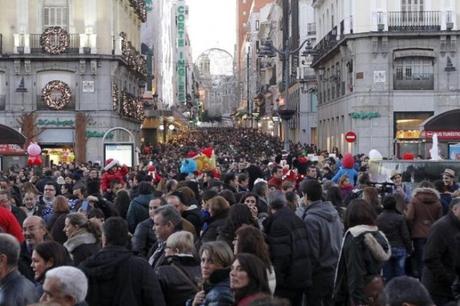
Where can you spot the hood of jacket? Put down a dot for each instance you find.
(426, 195)
(143, 199)
(324, 210)
(104, 265)
(379, 248)
(81, 238)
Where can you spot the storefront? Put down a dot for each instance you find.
(406, 127)
(447, 126)
(11, 147)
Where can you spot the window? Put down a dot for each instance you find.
(413, 73)
(55, 13)
(313, 102)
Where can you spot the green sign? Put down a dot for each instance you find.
(182, 60)
(365, 115)
(56, 122)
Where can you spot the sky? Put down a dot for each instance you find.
(212, 25)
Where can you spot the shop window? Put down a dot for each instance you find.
(413, 73)
(55, 13)
(407, 124)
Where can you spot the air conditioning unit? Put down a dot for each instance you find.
(449, 26)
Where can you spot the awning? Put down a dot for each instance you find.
(11, 150)
(11, 136)
(445, 125)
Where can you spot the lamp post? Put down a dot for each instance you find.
(268, 50)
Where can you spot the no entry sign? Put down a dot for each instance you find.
(350, 136)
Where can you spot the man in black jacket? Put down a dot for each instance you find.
(15, 289)
(116, 276)
(287, 240)
(440, 255)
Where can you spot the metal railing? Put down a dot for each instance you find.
(416, 21)
(37, 48)
(327, 43)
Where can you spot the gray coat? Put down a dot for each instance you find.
(324, 234)
(17, 290)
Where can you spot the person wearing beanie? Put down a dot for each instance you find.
(112, 172)
(346, 169)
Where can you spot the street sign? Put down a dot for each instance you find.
(350, 136)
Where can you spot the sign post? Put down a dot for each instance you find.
(350, 137)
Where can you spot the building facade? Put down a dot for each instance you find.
(70, 71)
(383, 68)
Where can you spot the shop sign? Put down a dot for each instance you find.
(350, 137)
(56, 122)
(181, 55)
(445, 135)
(11, 149)
(365, 115)
(96, 134)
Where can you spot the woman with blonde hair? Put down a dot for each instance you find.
(180, 277)
(83, 235)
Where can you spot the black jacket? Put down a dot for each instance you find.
(117, 277)
(287, 240)
(179, 279)
(395, 228)
(143, 238)
(25, 259)
(211, 232)
(439, 256)
(17, 290)
(193, 216)
(361, 259)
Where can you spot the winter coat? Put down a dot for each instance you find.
(117, 277)
(394, 226)
(212, 230)
(324, 238)
(25, 259)
(17, 290)
(111, 175)
(138, 210)
(352, 175)
(56, 227)
(81, 246)
(287, 240)
(143, 238)
(364, 250)
(423, 210)
(179, 279)
(193, 215)
(247, 300)
(439, 256)
(217, 290)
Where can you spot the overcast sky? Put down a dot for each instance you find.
(212, 25)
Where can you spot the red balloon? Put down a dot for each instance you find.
(34, 160)
(207, 151)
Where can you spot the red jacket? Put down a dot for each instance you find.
(10, 225)
(111, 175)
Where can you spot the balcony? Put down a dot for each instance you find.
(422, 21)
(326, 44)
(37, 48)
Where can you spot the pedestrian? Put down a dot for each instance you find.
(65, 286)
(116, 276)
(440, 255)
(248, 279)
(405, 291)
(393, 224)
(15, 289)
(144, 235)
(364, 250)
(139, 207)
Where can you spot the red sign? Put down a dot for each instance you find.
(350, 137)
(11, 149)
(444, 135)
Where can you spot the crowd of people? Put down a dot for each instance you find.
(266, 227)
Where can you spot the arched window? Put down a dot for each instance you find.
(56, 13)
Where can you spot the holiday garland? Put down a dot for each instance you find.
(60, 100)
(55, 40)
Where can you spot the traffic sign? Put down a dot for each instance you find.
(350, 136)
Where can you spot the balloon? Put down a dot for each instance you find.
(208, 152)
(38, 161)
(348, 161)
(191, 154)
(375, 155)
(34, 160)
(34, 149)
(188, 166)
(199, 163)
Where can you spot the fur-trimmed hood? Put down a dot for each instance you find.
(380, 253)
(426, 195)
(75, 241)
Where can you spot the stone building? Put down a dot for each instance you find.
(71, 70)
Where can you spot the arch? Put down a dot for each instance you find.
(11, 136)
(447, 121)
(133, 139)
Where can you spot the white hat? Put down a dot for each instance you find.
(110, 163)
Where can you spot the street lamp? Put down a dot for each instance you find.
(268, 50)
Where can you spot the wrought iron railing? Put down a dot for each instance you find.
(414, 21)
(326, 44)
(37, 48)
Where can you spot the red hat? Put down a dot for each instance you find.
(110, 163)
(348, 161)
(408, 156)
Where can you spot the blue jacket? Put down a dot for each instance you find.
(351, 173)
(217, 290)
